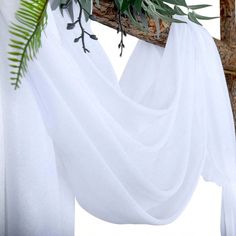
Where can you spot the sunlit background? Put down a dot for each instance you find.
(202, 215)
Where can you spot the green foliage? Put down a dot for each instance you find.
(139, 10)
(64, 4)
(69, 5)
(32, 18)
(26, 36)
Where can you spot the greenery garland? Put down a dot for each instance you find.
(32, 18)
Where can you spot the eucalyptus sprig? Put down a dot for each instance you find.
(71, 26)
(139, 10)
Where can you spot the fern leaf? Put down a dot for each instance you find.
(26, 36)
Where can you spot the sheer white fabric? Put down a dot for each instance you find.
(36, 199)
(129, 151)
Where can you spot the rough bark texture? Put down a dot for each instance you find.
(228, 37)
(227, 15)
(107, 15)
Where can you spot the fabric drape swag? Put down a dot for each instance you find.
(139, 144)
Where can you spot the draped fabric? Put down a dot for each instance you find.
(38, 200)
(129, 151)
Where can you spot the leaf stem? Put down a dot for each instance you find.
(83, 31)
(19, 72)
(120, 29)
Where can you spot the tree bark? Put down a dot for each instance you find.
(228, 37)
(106, 14)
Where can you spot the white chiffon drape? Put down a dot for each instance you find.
(129, 151)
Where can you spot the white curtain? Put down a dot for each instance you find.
(129, 151)
(36, 199)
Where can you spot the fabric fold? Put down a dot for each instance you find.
(228, 212)
(140, 144)
(35, 198)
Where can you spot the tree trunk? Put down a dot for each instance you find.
(228, 37)
(106, 14)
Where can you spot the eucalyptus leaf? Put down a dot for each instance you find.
(124, 6)
(87, 6)
(138, 5)
(70, 10)
(119, 3)
(133, 20)
(177, 2)
(179, 11)
(192, 17)
(200, 17)
(144, 21)
(55, 4)
(200, 6)
(168, 9)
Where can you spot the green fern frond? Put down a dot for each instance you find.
(26, 36)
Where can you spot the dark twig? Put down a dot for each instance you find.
(121, 30)
(81, 28)
(83, 31)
